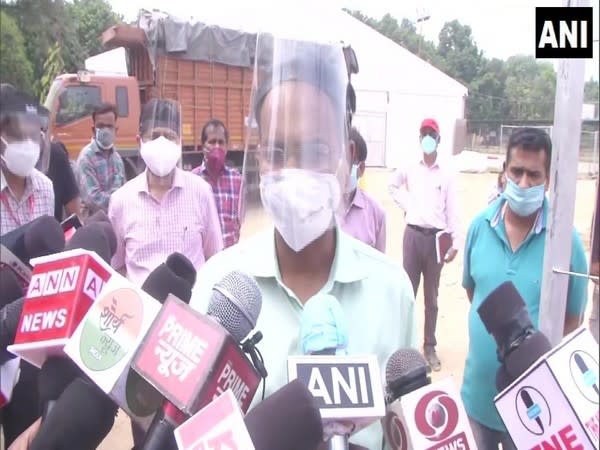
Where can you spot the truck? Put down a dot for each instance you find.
(207, 68)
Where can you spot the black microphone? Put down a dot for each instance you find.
(288, 419)
(10, 288)
(80, 419)
(91, 237)
(54, 377)
(40, 237)
(528, 402)
(10, 315)
(585, 370)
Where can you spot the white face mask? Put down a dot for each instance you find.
(160, 155)
(20, 157)
(301, 203)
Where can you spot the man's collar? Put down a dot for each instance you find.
(496, 210)
(99, 150)
(359, 199)
(142, 181)
(435, 164)
(345, 269)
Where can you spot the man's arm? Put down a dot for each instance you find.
(381, 233)
(120, 176)
(90, 185)
(452, 214)
(577, 291)
(398, 189)
(212, 239)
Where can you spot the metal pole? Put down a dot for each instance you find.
(563, 182)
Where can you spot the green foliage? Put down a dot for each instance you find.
(15, 67)
(591, 92)
(53, 66)
(92, 17)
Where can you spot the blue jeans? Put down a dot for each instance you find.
(488, 438)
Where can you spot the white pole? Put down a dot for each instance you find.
(563, 183)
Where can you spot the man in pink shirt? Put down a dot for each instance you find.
(426, 190)
(164, 209)
(365, 218)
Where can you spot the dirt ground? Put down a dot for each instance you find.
(453, 305)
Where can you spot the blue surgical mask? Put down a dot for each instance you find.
(523, 201)
(428, 144)
(105, 138)
(354, 177)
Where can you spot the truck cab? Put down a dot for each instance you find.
(72, 99)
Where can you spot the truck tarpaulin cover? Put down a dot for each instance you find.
(197, 41)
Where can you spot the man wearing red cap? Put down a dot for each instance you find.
(425, 189)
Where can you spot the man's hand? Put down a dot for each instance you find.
(24, 440)
(451, 255)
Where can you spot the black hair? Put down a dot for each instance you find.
(531, 140)
(160, 112)
(215, 123)
(103, 109)
(359, 142)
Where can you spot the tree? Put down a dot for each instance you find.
(591, 92)
(53, 66)
(462, 59)
(15, 67)
(92, 17)
(486, 97)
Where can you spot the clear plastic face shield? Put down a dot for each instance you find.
(45, 140)
(23, 146)
(160, 138)
(297, 160)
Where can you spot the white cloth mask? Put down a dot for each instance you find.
(301, 203)
(160, 155)
(20, 157)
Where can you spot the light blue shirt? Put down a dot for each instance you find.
(374, 291)
(490, 261)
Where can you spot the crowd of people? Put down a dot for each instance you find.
(328, 234)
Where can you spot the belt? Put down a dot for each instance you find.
(428, 231)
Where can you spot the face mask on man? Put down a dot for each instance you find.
(523, 201)
(354, 177)
(20, 157)
(160, 155)
(105, 138)
(215, 160)
(301, 204)
(428, 144)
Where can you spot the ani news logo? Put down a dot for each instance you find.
(564, 32)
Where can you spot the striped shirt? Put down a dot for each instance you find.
(148, 231)
(100, 173)
(226, 190)
(37, 201)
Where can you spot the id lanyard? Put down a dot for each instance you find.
(10, 211)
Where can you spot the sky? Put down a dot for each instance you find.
(501, 28)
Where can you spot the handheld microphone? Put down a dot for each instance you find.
(63, 286)
(40, 237)
(80, 419)
(54, 376)
(348, 391)
(10, 287)
(421, 414)
(192, 359)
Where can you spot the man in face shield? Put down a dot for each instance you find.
(302, 111)
(164, 209)
(25, 192)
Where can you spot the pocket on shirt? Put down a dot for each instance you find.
(190, 236)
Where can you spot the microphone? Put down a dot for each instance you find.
(54, 376)
(588, 374)
(80, 419)
(421, 414)
(40, 237)
(531, 406)
(348, 391)
(288, 419)
(10, 286)
(192, 359)
(63, 286)
(504, 315)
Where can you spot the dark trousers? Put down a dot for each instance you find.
(419, 258)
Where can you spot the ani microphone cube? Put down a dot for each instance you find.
(63, 286)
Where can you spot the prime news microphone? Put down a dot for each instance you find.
(192, 359)
(519, 345)
(421, 414)
(63, 286)
(288, 419)
(80, 419)
(40, 237)
(350, 397)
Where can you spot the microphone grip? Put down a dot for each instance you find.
(47, 408)
(338, 442)
(161, 434)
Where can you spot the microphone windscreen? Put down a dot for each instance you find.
(111, 237)
(500, 307)
(93, 238)
(528, 352)
(98, 216)
(10, 317)
(10, 287)
(81, 418)
(182, 267)
(162, 281)
(405, 371)
(44, 237)
(54, 377)
(289, 419)
(235, 303)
